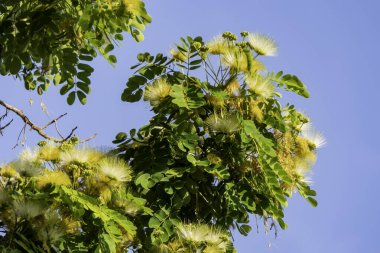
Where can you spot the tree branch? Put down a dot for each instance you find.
(6, 125)
(38, 129)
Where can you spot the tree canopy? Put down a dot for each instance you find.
(46, 42)
(219, 148)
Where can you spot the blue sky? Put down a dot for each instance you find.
(333, 46)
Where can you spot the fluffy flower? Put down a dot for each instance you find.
(262, 44)
(217, 45)
(178, 55)
(29, 156)
(54, 178)
(315, 138)
(235, 59)
(115, 169)
(303, 174)
(256, 111)
(233, 87)
(49, 152)
(26, 169)
(191, 233)
(8, 171)
(52, 230)
(133, 6)
(157, 91)
(226, 124)
(81, 156)
(213, 249)
(27, 208)
(260, 85)
(195, 234)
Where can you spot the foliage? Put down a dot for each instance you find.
(220, 147)
(62, 199)
(46, 42)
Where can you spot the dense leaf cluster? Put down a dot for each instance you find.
(220, 147)
(61, 199)
(47, 42)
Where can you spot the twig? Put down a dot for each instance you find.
(54, 121)
(38, 129)
(27, 121)
(3, 127)
(6, 125)
(89, 138)
(19, 136)
(71, 133)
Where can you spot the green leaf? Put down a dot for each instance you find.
(154, 222)
(84, 87)
(282, 224)
(312, 201)
(120, 137)
(30, 85)
(15, 65)
(71, 98)
(107, 244)
(99, 211)
(191, 159)
(129, 96)
(265, 144)
(188, 97)
(83, 76)
(144, 181)
(57, 79)
(292, 83)
(108, 48)
(135, 81)
(196, 62)
(85, 57)
(85, 67)
(119, 37)
(146, 72)
(244, 229)
(82, 97)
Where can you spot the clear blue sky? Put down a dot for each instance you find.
(332, 45)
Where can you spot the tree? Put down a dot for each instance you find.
(47, 42)
(219, 148)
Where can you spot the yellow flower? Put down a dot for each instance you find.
(213, 249)
(84, 155)
(233, 87)
(133, 6)
(8, 171)
(235, 59)
(256, 111)
(224, 124)
(178, 55)
(30, 156)
(115, 169)
(49, 152)
(192, 233)
(214, 159)
(260, 86)
(196, 234)
(27, 208)
(71, 226)
(262, 44)
(315, 138)
(218, 45)
(54, 178)
(156, 92)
